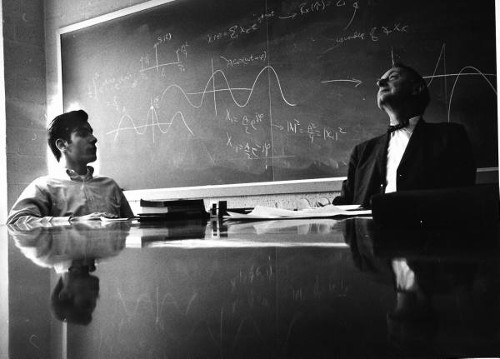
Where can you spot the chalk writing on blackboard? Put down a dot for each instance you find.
(245, 60)
(128, 123)
(270, 90)
(308, 8)
(465, 71)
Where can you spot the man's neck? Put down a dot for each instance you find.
(80, 168)
(397, 117)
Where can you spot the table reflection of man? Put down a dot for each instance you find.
(438, 289)
(412, 324)
(73, 252)
(74, 297)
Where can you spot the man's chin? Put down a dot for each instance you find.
(380, 104)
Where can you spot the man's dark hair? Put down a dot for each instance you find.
(423, 98)
(62, 126)
(65, 309)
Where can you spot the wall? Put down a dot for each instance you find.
(25, 103)
(24, 122)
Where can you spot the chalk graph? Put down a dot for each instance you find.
(457, 76)
(128, 123)
(464, 71)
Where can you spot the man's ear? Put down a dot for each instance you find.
(418, 88)
(65, 294)
(61, 144)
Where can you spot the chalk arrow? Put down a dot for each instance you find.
(353, 80)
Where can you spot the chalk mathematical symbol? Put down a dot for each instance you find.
(312, 131)
(355, 5)
(292, 126)
(265, 16)
(230, 118)
(352, 80)
(465, 71)
(329, 134)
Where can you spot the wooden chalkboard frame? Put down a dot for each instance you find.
(332, 184)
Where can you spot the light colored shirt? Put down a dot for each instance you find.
(397, 147)
(53, 199)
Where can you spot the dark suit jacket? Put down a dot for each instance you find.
(438, 156)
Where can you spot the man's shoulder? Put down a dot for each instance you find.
(104, 180)
(445, 130)
(372, 142)
(444, 126)
(46, 179)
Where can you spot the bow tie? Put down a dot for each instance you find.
(397, 127)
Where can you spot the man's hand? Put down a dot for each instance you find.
(93, 217)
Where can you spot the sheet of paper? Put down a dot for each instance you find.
(262, 212)
(118, 219)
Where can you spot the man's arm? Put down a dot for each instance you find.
(34, 206)
(125, 210)
(462, 163)
(347, 194)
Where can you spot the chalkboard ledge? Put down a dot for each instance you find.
(334, 184)
(241, 189)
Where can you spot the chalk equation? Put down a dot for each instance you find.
(249, 123)
(312, 7)
(374, 35)
(303, 9)
(312, 130)
(250, 150)
(245, 60)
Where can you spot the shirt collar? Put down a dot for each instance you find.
(76, 177)
(407, 127)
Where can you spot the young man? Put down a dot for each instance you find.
(413, 154)
(73, 194)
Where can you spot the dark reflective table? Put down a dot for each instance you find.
(319, 288)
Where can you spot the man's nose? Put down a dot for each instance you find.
(381, 82)
(93, 139)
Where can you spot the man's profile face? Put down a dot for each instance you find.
(396, 85)
(82, 146)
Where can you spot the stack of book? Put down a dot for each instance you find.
(172, 210)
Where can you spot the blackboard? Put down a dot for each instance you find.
(194, 93)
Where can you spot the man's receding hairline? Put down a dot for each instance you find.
(413, 73)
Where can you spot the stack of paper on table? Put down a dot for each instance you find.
(262, 212)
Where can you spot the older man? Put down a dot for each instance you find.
(74, 193)
(413, 154)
